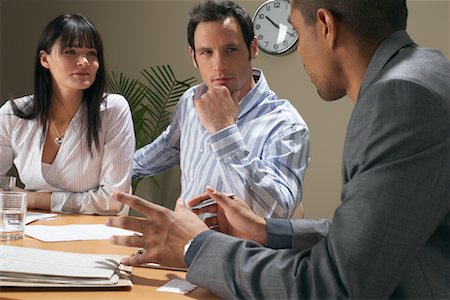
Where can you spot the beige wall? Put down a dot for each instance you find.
(141, 34)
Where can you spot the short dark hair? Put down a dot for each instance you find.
(69, 30)
(368, 19)
(216, 10)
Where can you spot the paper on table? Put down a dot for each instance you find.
(74, 232)
(158, 266)
(55, 263)
(28, 267)
(32, 216)
(178, 286)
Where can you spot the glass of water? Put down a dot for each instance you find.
(13, 207)
(7, 183)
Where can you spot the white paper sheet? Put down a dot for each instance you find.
(55, 263)
(28, 267)
(178, 286)
(32, 216)
(75, 232)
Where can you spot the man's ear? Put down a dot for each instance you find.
(254, 48)
(192, 53)
(43, 57)
(327, 26)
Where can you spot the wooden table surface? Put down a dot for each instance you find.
(145, 280)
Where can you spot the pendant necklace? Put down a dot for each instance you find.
(59, 138)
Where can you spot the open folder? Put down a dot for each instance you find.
(28, 267)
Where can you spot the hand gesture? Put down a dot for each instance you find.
(234, 216)
(217, 108)
(163, 233)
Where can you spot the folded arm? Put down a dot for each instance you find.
(270, 184)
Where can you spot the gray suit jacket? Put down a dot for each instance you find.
(390, 237)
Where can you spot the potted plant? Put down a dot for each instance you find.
(152, 101)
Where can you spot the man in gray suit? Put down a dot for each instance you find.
(390, 236)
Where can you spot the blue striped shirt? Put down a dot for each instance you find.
(262, 158)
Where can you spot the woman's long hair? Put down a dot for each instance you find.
(70, 30)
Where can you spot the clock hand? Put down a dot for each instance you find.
(278, 26)
(274, 24)
(291, 34)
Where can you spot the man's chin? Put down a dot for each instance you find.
(217, 85)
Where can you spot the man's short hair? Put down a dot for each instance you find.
(217, 10)
(368, 19)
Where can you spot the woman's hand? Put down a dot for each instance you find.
(37, 200)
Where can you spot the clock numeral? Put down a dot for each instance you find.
(261, 16)
(267, 44)
(275, 46)
(276, 4)
(285, 43)
(267, 8)
(257, 26)
(260, 37)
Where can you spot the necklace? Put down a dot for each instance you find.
(59, 138)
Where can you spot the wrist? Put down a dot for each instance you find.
(261, 232)
(39, 200)
(194, 247)
(186, 247)
(215, 128)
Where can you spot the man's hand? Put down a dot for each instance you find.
(163, 232)
(217, 108)
(234, 216)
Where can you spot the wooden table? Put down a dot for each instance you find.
(145, 280)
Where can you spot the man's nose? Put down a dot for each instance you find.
(220, 63)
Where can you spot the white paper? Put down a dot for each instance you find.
(32, 216)
(158, 266)
(74, 232)
(16, 260)
(178, 286)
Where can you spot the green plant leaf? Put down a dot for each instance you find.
(152, 101)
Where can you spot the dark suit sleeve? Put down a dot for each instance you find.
(394, 203)
(296, 234)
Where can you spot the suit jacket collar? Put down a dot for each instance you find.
(387, 50)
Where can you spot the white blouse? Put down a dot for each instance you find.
(80, 182)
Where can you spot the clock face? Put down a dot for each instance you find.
(273, 31)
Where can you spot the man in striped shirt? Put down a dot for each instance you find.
(231, 132)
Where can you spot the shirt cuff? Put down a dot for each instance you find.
(279, 233)
(226, 141)
(197, 242)
(56, 202)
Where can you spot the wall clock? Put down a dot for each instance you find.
(274, 33)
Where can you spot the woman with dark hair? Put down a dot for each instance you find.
(71, 143)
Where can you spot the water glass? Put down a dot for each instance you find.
(13, 207)
(7, 183)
